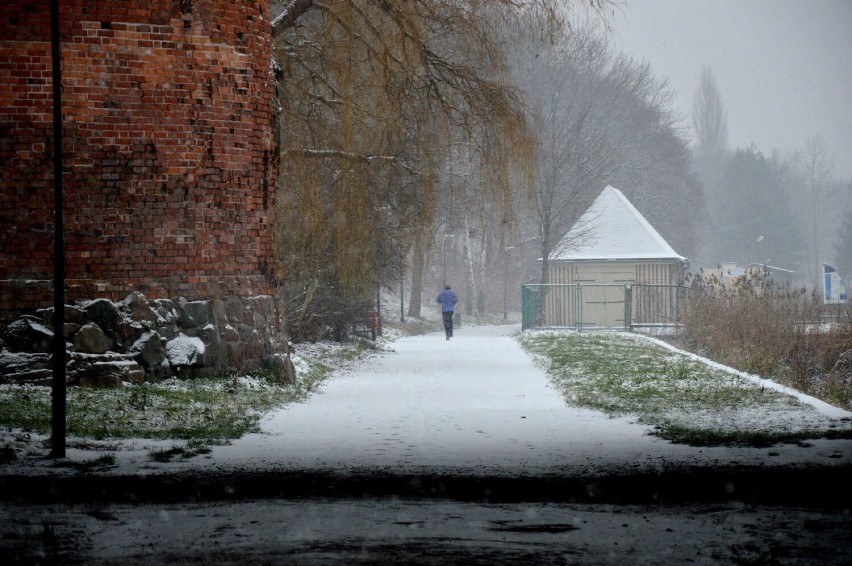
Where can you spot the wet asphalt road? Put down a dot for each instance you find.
(743, 516)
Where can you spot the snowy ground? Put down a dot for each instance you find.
(473, 407)
(478, 404)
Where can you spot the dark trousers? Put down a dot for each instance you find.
(448, 323)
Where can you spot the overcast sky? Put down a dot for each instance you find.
(783, 67)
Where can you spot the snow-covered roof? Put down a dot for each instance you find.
(612, 229)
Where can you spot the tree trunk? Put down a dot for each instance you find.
(474, 243)
(418, 268)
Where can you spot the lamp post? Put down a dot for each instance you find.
(58, 386)
(507, 251)
(444, 246)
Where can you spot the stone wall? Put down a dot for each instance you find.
(169, 150)
(136, 340)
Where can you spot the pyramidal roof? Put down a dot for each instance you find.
(612, 229)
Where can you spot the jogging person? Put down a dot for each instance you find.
(448, 300)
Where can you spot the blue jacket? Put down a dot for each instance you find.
(448, 300)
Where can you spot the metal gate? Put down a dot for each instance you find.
(615, 306)
(573, 305)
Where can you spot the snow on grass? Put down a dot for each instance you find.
(475, 399)
(172, 417)
(685, 398)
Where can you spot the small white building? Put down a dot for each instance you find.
(611, 245)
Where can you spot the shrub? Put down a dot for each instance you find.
(755, 326)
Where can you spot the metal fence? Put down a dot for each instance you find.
(585, 306)
(656, 306)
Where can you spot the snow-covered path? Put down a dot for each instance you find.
(427, 410)
(477, 404)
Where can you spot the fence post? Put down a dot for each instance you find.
(578, 307)
(628, 306)
(529, 307)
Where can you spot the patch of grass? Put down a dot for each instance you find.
(355, 351)
(196, 409)
(176, 409)
(758, 438)
(308, 384)
(685, 400)
(26, 407)
(200, 412)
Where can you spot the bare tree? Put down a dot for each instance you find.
(818, 199)
(843, 246)
(596, 114)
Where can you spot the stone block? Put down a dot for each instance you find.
(194, 314)
(70, 329)
(229, 333)
(238, 312)
(137, 307)
(235, 356)
(167, 332)
(75, 315)
(28, 334)
(185, 352)
(218, 313)
(25, 367)
(104, 313)
(127, 331)
(104, 371)
(91, 339)
(148, 351)
(210, 337)
(165, 310)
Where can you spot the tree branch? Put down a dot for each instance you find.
(291, 13)
(353, 157)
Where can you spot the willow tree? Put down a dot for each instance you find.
(373, 94)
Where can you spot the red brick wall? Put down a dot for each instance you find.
(170, 163)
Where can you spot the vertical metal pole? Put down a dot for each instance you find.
(506, 251)
(444, 246)
(505, 285)
(628, 307)
(378, 309)
(444, 253)
(57, 441)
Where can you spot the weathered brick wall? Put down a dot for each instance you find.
(169, 150)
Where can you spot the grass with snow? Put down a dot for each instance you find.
(685, 400)
(195, 413)
(176, 409)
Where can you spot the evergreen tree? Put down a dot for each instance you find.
(756, 223)
(709, 118)
(710, 160)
